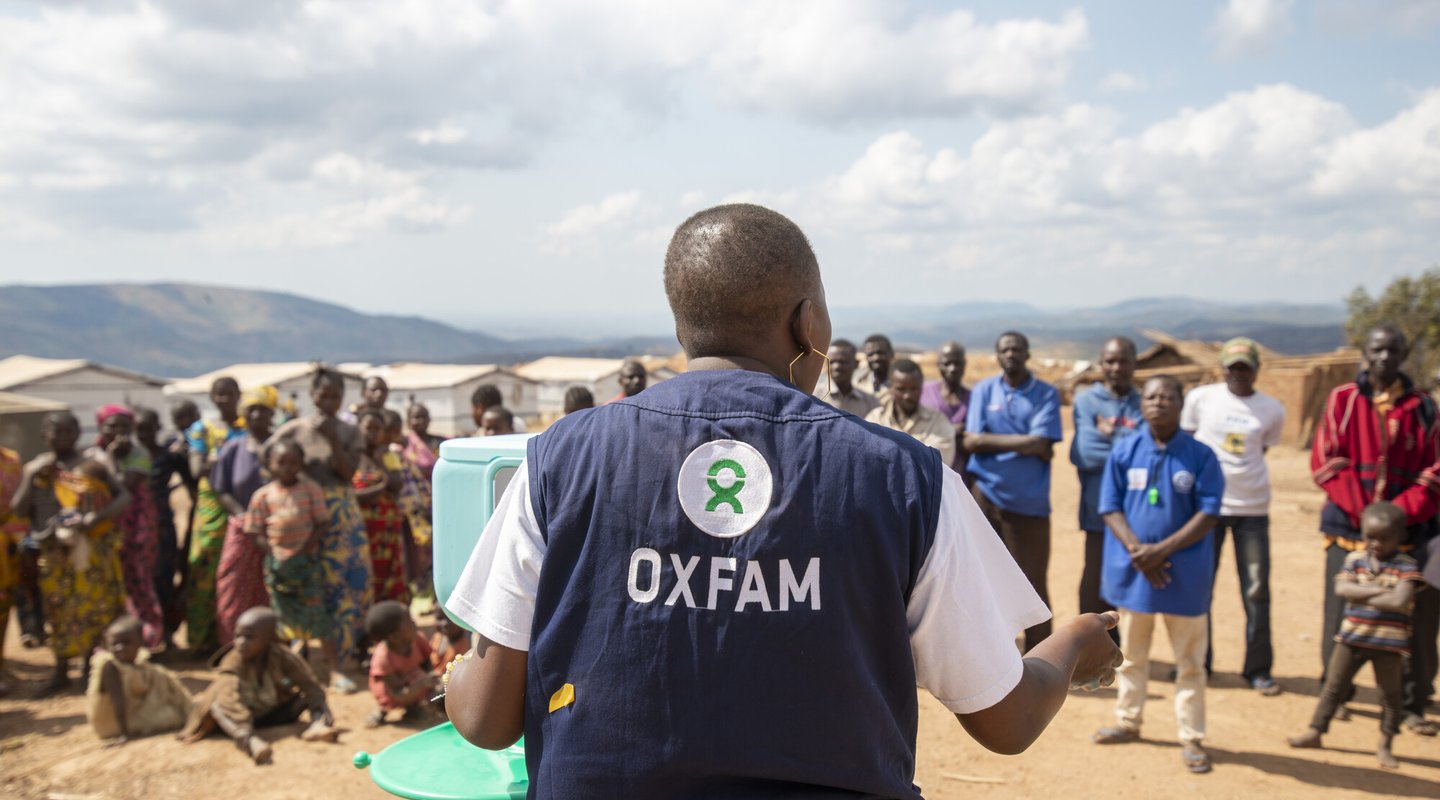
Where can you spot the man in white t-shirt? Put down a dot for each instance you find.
(1240, 424)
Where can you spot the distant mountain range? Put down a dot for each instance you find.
(1079, 332)
(177, 330)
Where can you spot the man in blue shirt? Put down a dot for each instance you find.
(1104, 414)
(1160, 500)
(723, 587)
(1011, 430)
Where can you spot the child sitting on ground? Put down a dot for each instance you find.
(400, 676)
(129, 696)
(449, 642)
(260, 683)
(288, 519)
(1380, 584)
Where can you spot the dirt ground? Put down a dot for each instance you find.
(48, 753)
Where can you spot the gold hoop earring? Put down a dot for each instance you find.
(825, 358)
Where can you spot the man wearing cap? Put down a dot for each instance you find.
(1240, 424)
(1357, 460)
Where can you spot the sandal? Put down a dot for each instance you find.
(1114, 736)
(1196, 760)
(344, 685)
(1419, 726)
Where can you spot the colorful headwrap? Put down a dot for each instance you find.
(109, 410)
(260, 396)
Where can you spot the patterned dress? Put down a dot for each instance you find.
(12, 529)
(207, 540)
(344, 552)
(418, 458)
(82, 581)
(140, 546)
(240, 576)
(385, 530)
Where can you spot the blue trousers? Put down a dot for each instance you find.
(1252, 563)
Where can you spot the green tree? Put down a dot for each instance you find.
(1414, 305)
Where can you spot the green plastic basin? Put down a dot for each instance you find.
(437, 764)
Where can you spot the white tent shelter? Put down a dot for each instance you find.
(556, 374)
(445, 389)
(83, 386)
(290, 378)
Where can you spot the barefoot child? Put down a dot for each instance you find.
(129, 696)
(260, 683)
(287, 517)
(1380, 584)
(400, 676)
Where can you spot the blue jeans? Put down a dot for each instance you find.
(1252, 563)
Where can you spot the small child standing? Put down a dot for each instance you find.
(287, 517)
(449, 642)
(400, 676)
(129, 696)
(1380, 584)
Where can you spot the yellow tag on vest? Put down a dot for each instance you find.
(564, 697)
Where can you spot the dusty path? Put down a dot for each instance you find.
(46, 752)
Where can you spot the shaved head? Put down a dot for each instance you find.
(732, 271)
(258, 618)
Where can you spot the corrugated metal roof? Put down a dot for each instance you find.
(11, 403)
(432, 376)
(19, 370)
(560, 368)
(249, 375)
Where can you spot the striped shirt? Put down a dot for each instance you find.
(1367, 626)
(286, 515)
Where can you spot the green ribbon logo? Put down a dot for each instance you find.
(726, 495)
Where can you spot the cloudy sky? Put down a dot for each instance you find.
(518, 166)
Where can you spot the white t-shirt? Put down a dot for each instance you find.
(1238, 429)
(969, 602)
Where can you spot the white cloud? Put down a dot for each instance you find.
(1402, 17)
(1270, 179)
(1119, 81)
(616, 211)
(162, 104)
(1250, 27)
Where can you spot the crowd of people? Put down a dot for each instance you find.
(1166, 477)
(305, 542)
(309, 538)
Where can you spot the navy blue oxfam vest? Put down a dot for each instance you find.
(727, 568)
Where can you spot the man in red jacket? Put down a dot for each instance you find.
(1379, 440)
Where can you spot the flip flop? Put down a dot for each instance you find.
(1198, 763)
(1114, 736)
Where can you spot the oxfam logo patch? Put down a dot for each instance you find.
(725, 487)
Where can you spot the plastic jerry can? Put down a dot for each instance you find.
(469, 479)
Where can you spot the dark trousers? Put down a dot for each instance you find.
(1090, 600)
(1028, 540)
(167, 561)
(1420, 668)
(1252, 564)
(1345, 662)
(29, 600)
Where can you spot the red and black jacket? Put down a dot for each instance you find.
(1359, 457)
